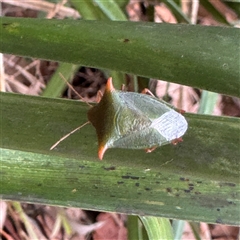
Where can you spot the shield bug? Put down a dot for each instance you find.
(134, 120)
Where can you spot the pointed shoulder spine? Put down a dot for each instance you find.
(109, 85)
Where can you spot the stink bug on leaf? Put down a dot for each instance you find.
(133, 120)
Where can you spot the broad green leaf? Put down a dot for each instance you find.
(203, 57)
(88, 7)
(196, 180)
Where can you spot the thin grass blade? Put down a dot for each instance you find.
(157, 228)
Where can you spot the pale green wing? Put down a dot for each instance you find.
(150, 106)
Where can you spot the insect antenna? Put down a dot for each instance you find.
(67, 135)
(76, 129)
(71, 87)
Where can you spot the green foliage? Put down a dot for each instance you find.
(204, 57)
(195, 180)
(157, 228)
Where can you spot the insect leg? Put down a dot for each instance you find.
(148, 150)
(180, 111)
(147, 91)
(176, 141)
(123, 88)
